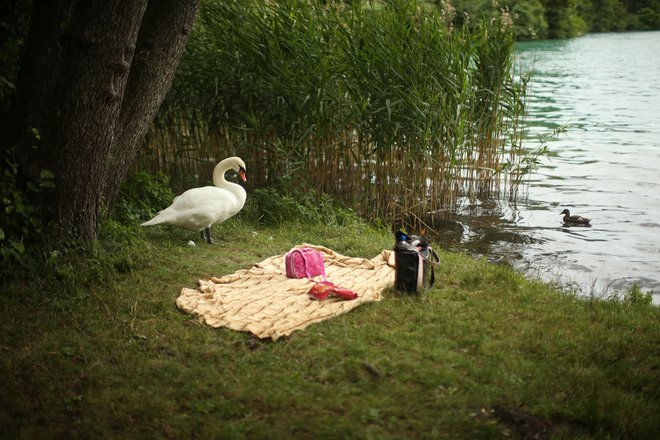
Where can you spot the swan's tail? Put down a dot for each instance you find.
(154, 221)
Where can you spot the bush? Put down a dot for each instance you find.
(636, 297)
(648, 19)
(142, 196)
(21, 219)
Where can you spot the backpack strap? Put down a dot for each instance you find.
(433, 264)
(420, 273)
(434, 255)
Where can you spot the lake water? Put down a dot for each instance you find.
(606, 87)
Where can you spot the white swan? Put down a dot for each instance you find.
(200, 208)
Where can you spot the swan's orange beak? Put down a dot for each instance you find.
(241, 172)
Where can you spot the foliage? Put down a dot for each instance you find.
(636, 297)
(646, 18)
(141, 196)
(20, 220)
(567, 18)
(564, 18)
(485, 353)
(527, 16)
(606, 15)
(14, 18)
(388, 109)
(19, 217)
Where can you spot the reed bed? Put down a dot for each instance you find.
(386, 106)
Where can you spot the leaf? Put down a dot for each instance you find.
(18, 245)
(46, 174)
(36, 133)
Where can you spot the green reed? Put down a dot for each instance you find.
(384, 105)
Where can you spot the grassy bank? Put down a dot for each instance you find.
(97, 349)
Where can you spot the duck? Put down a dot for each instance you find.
(198, 209)
(574, 219)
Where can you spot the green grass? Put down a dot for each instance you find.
(96, 348)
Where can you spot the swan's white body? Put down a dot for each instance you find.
(200, 208)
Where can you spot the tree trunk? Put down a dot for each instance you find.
(163, 35)
(97, 51)
(92, 78)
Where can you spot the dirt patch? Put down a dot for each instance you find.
(522, 424)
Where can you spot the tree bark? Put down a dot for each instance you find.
(97, 51)
(92, 78)
(163, 35)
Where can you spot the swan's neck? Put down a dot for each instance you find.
(220, 181)
(219, 176)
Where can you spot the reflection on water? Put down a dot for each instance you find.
(606, 87)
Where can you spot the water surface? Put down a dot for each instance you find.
(606, 87)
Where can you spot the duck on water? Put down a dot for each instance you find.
(575, 220)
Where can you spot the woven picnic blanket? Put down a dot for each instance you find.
(263, 301)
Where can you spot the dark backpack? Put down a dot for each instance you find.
(415, 263)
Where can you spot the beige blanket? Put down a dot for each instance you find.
(263, 301)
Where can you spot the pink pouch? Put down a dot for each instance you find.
(304, 262)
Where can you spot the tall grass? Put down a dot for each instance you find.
(387, 107)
